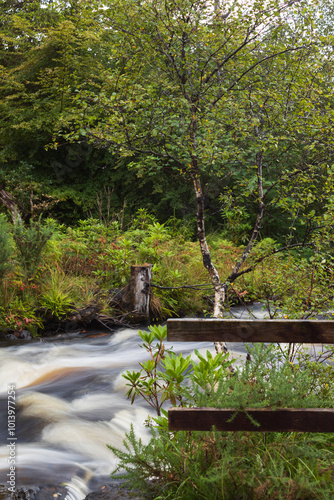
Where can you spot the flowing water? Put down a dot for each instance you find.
(70, 402)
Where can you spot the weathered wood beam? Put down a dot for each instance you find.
(236, 330)
(279, 420)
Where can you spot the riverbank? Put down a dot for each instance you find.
(78, 280)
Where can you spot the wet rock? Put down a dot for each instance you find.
(114, 492)
(39, 493)
(25, 493)
(24, 334)
(17, 335)
(10, 336)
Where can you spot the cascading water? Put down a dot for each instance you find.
(70, 404)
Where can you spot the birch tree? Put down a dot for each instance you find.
(211, 90)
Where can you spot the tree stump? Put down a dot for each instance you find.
(139, 292)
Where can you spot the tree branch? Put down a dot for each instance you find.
(261, 259)
(257, 227)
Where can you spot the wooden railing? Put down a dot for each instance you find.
(231, 330)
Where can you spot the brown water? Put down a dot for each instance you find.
(70, 403)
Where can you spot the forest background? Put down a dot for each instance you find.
(129, 133)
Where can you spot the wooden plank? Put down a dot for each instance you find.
(279, 420)
(235, 330)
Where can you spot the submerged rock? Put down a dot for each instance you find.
(114, 492)
(39, 493)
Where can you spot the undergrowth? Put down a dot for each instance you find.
(215, 465)
(54, 270)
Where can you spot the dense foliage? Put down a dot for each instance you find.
(49, 272)
(46, 52)
(69, 69)
(102, 105)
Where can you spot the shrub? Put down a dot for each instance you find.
(217, 465)
(56, 296)
(6, 250)
(30, 242)
(18, 316)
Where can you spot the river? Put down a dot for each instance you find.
(70, 402)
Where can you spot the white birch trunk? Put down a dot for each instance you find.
(219, 288)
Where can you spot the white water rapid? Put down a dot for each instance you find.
(70, 403)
